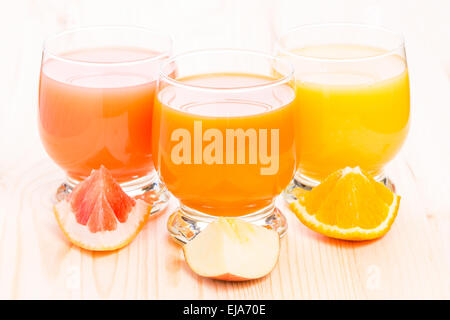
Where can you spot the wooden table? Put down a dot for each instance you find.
(411, 261)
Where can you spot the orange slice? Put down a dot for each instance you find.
(98, 215)
(348, 205)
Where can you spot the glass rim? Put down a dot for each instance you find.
(162, 55)
(284, 79)
(398, 36)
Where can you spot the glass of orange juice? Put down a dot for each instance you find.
(352, 102)
(96, 96)
(223, 137)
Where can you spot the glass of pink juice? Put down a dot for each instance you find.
(96, 95)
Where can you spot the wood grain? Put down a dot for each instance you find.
(36, 261)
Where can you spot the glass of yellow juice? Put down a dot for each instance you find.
(352, 98)
(223, 137)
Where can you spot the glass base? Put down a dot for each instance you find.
(147, 188)
(306, 183)
(185, 223)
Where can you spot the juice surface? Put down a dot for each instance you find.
(352, 113)
(222, 188)
(93, 114)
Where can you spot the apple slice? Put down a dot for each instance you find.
(233, 250)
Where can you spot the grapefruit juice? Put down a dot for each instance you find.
(240, 152)
(97, 110)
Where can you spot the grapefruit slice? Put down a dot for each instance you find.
(348, 205)
(98, 215)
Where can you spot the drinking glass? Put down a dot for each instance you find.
(352, 101)
(96, 96)
(223, 137)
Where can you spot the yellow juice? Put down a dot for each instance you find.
(349, 112)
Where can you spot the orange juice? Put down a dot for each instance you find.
(96, 109)
(219, 173)
(349, 112)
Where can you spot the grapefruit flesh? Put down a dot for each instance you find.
(99, 201)
(99, 215)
